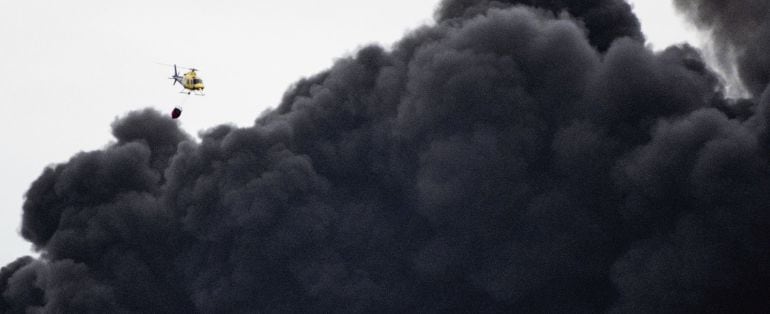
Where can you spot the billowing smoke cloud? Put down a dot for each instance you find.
(529, 158)
(604, 20)
(741, 34)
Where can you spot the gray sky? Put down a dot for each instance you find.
(69, 68)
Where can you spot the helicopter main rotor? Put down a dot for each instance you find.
(178, 66)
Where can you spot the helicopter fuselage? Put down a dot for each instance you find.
(191, 81)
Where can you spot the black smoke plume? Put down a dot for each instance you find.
(518, 156)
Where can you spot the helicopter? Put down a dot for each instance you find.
(192, 84)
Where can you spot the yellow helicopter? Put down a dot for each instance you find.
(191, 82)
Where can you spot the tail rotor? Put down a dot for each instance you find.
(176, 76)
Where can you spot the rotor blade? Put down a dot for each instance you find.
(177, 66)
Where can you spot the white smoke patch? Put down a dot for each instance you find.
(723, 63)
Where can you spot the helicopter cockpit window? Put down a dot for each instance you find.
(197, 81)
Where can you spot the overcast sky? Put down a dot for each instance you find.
(68, 69)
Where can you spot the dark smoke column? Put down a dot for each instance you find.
(515, 157)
